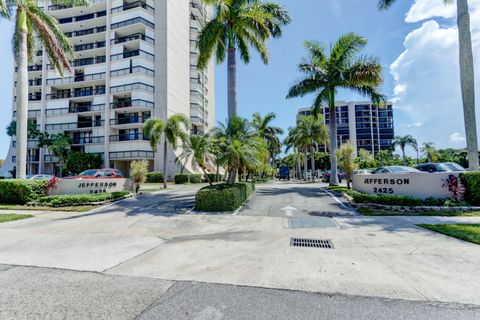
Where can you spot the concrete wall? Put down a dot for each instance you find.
(416, 184)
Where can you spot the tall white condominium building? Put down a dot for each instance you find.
(133, 60)
(366, 125)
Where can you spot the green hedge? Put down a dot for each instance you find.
(18, 191)
(154, 177)
(390, 200)
(223, 197)
(214, 178)
(78, 199)
(182, 178)
(471, 182)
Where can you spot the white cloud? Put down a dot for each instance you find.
(427, 9)
(457, 137)
(426, 77)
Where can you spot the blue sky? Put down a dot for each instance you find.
(415, 40)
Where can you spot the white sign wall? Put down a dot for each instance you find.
(90, 186)
(415, 184)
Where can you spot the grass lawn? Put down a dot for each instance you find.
(467, 232)
(38, 208)
(378, 212)
(337, 188)
(12, 217)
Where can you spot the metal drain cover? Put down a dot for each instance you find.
(311, 243)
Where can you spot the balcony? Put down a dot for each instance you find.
(50, 158)
(31, 113)
(132, 86)
(133, 5)
(89, 46)
(132, 70)
(136, 36)
(128, 120)
(88, 140)
(129, 22)
(85, 32)
(74, 125)
(128, 137)
(35, 82)
(75, 94)
(132, 104)
(130, 54)
(77, 78)
(83, 17)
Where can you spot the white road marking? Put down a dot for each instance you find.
(289, 210)
(336, 199)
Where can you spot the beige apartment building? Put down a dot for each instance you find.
(133, 60)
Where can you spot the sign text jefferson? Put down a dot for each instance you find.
(386, 181)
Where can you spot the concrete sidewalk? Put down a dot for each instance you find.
(150, 237)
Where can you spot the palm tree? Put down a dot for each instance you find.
(309, 133)
(240, 147)
(341, 69)
(31, 20)
(171, 131)
(268, 133)
(32, 130)
(198, 150)
(239, 24)
(291, 143)
(60, 147)
(467, 76)
(429, 150)
(403, 142)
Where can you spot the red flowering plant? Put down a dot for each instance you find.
(454, 186)
(52, 184)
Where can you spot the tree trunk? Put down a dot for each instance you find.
(467, 81)
(22, 99)
(217, 173)
(333, 140)
(232, 83)
(404, 157)
(232, 176)
(312, 159)
(165, 159)
(299, 170)
(305, 163)
(207, 176)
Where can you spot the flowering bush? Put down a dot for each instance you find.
(51, 184)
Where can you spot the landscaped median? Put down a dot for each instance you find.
(80, 199)
(466, 232)
(223, 197)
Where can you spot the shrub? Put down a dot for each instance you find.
(196, 178)
(138, 172)
(471, 182)
(21, 191)
(181, 178)
(223, 197)
(78, 199)
(154, 177)
(214, 178)
(391, 200)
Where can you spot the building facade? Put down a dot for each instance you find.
(133, 60)
(368, 127)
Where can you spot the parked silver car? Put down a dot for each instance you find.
(395, 169)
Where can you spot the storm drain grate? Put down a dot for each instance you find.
(311, 243)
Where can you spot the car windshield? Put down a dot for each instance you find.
(454, 167)
(442, 167)
(88, 173)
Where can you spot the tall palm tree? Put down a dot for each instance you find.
(268, 133)
(290, 142)
(31, 20)
(171, 131)
(240, 147)
(403, 142)
(467, 77)
(239, 24)
(198, 150)
(429, 150)
(309, 133)
(341, 69)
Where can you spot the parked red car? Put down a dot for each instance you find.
(98, 174)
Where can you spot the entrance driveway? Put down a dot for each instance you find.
(156, 236)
